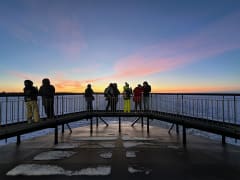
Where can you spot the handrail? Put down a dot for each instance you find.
(7, 94)
(221, 128)
(222, 107)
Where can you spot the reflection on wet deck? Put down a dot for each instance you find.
(108, 154)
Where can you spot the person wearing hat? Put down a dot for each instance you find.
(127, 92)
(89, 97)
(146, 94)
(137, 97)
(30, 98)
(47, 91)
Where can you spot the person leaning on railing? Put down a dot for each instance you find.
(127, 92)
(30, 98)
(47, 91)
(146, 93)
(137, 97)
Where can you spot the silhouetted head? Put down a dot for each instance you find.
(89, 85)
(46, 81)
(139, 85)
(126, 84)
(145, 83)
(28, 83)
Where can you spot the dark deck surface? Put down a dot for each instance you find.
(158, 155)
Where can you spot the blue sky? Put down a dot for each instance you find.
(177, 46)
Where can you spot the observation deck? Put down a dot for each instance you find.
(133, 144)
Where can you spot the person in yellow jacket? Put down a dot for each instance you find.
(127, 92)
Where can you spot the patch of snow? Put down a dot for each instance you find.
(41, 170)
(139, 170)
(133, 170)
(96, 138)
(107, 144)
(107, 155)
(98, 171)
(127, 138)
(36, 170)
(66, 146)
(134, 144)
(131, 154)
(53, 155)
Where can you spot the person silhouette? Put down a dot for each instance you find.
(137, 97)
(30, 98)
(89, 97)
(127, 92)
(47, 91)
(146, 94)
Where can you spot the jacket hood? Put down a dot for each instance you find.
(28, 83)
(46, 81)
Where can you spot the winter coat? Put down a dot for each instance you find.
(47, 90)
(146, 90)
(137, 94)
(30, 93)
(89, 94)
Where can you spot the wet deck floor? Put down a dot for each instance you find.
(131, 154)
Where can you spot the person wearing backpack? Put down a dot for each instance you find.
(30, 98)
(127, 92)
(47, 91)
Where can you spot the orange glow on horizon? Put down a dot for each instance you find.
(155, 89)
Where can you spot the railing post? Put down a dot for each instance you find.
(119, 124)
(91, 125)
(142, 121)
(223, 140)
(57, 106)
(62, 128)
(235, 111)
(18, 111)
(97, 121)
(177, 128)
(0, 113)
(56, 135)
(62, 105)
(223, 115)
(148, 125)
(184, 136)
(18, 139)
(6, 121)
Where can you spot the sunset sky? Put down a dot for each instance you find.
(175, 45)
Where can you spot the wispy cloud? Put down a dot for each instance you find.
(46, 26)
(200, 89)
(217, 38)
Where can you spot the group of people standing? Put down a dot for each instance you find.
(46, 91)
(140, 95)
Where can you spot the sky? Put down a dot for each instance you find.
(174, 45)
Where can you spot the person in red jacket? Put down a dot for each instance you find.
(137, 97)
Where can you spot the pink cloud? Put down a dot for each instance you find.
(24, 76)
(217, 38)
